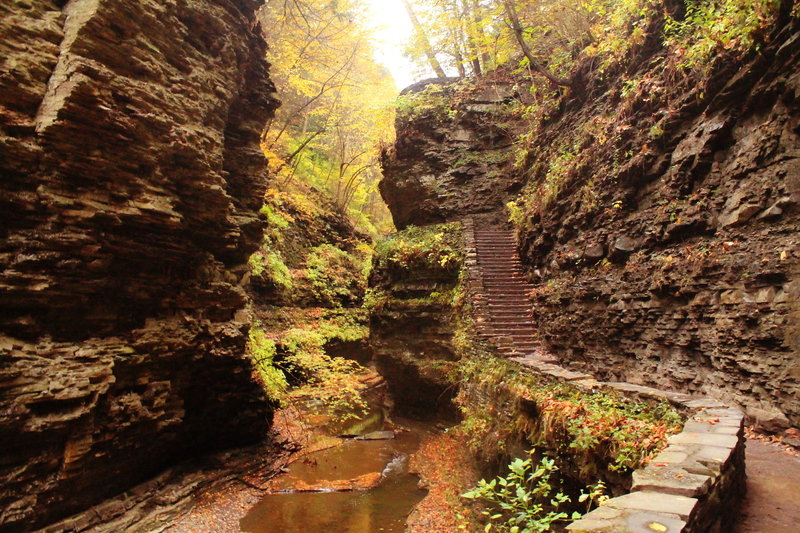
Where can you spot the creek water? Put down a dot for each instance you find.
(382, 509)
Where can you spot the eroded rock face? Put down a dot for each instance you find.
(679, 268)
(667, 255)
(451, 154)
(131, 176)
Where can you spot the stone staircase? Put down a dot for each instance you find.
(500, 292)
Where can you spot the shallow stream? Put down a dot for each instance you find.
(300, 503)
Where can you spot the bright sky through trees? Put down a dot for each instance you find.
(392, 31)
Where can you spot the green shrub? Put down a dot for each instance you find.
(711, 27)
(622, 432)
(523, 501)
(275, 219)
(437, 246)
(335, 275)
(332, 382)
(263, 351)
(269, 266)
(433, 100)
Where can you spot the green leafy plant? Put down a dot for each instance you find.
(336, 276)
(332, 381)
(523, 501)
(516, 213)
(711, 27)
(604, 426)
(436, 246)
(263, 351)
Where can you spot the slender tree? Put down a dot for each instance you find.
(472, 38)
(519, 33)
(424, 41)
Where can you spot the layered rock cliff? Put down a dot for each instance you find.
(417, 306)
(657, 215)
(131, 177)
(451, 153)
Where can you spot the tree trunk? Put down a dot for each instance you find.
(426, 44)
(472, 41)
(513, 19)
(478, 17)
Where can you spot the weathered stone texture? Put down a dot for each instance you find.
(130, 179)
(412, 334)
(667, 255)
(698, 286)
(450, 158)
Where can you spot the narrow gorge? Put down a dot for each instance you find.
(248, 285)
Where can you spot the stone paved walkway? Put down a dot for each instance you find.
(772, 504)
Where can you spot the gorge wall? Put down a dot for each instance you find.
(131, 177)
(656, 210)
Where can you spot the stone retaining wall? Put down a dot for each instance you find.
(691, 486)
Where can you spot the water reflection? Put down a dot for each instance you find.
(380, 510)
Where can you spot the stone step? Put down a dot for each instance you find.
(526, 352)
(521, 335)
(518, 346)
(498, 291)
(509, 303)
(515, 333)
(507, 290)
(505, 341)
(510, 322)
(514, 339)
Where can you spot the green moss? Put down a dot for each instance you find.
(432, 101)
(270, 267)
(263, 351)
(291, 345)
(275, 219)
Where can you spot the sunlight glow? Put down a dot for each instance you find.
(392, 31)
